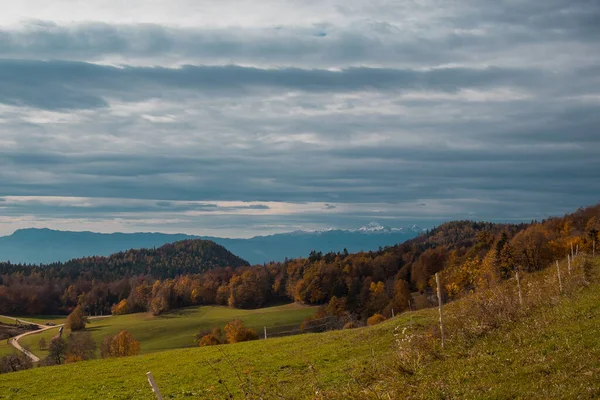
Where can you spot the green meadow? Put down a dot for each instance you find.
(552, 351)
(177, 329)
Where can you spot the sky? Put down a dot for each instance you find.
(238, 118)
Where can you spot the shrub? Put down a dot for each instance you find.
(414, 349)
(375, 319)
(235, 332)
(120, 308)
(14, 362)
(121, 345)
(80, 346)
(211, 338)
(350, 325)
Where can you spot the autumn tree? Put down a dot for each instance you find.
(235, 332)
(121, 345)
(159, 302)
(120, 308)
(211, 338)
(80, 347)
(375, 319)
(401, 299)
(77, 320)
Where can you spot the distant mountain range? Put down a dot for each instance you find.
(37, 246)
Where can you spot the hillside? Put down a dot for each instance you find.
(184, 257)
(350, 286)
(44, 246)
(177, 329)
(480, 360)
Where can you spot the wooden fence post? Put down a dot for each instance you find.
(569, 264)
(265, 332)
(519, 287)
(153, 385)
(439, 295)
(576, 250)
(559, 279)
(392, 313)
(572, 252)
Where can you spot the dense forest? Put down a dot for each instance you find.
(469, 254)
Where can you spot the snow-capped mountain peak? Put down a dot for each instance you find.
(373, 227)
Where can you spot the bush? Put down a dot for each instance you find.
(211, 338)
(14, 362)
(235, 332)
(80, 347)
(375, 319)
(120, 308)
(350, 325)
(120, 345)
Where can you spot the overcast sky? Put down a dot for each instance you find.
(236, 118)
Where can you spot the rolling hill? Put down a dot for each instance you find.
(503, 361)
(45, 246)
(190, 256)
(177, 329)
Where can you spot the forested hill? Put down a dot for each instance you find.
(179, 258)
(469, 254)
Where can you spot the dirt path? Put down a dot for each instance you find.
(15, 340)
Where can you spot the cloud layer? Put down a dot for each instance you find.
(251, 121)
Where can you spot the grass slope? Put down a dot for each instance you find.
(553, 352)
(283, 362)
(178, 329)
(7, 349)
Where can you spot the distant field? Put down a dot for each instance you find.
(283, 362)
(36, 319)
(5, 348)
(178, 329)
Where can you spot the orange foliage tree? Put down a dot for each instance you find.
(121, 345)
(235, 332)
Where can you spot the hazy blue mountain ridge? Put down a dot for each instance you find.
(45, 245)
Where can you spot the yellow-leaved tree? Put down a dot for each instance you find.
(121, 345)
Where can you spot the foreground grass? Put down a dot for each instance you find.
(281, 364)
(552, 352)
(178, 329)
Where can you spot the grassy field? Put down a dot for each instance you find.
(551, 352)
(282, 362)
(178, 329)
(5, 348)
(37, 319)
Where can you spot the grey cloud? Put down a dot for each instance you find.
(510, 134)
(375, 34)
(59, 85)
(115, 207)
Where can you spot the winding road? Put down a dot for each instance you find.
(15, 340)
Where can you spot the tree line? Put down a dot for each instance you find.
(472, 255)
